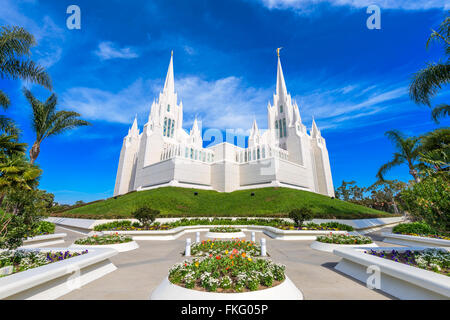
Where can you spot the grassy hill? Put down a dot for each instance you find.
(178, 202)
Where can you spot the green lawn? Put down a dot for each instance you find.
(269, 202)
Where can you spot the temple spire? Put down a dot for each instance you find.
(134, 131)
(315, 132)
(169, 85)
(281, 85)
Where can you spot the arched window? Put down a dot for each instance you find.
(281, 108)
(165, 126)
(192, 153)
(258, 154)
(245, 156)
(168, 127)
(280, 126)
(276, 128)
(168, 108)
(171, 130)
(284, 127)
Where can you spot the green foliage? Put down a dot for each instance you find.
(49, 122)
(301, 214)
(23, 209)
(429, 200)
(427, 82)
(145, 215)
(181, 202)
(44, 227)
(113, 225)
(417, 227)
(337, 225)
(435, 151)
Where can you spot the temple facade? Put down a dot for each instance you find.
(164, 154)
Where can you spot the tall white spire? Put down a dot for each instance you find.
(254, 131)
(315, 132)
(281, 85)
(169, 85)
(134, 131)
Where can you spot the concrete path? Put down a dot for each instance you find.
(140, 271)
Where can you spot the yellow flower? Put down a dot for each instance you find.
(249, 259)
(196, 264)
(226, 251)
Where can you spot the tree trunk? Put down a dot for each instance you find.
(2, 197)
(34, 151)
(413, 172)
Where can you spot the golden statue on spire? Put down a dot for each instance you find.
(278, 51)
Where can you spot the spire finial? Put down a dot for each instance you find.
(278, 51)
(171, 53)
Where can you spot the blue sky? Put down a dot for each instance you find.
(353, 80)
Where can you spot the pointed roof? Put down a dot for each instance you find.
(195, 128)
(314, 130)
(281, 85)
(134, 128)
(169, 85)
(255, 130)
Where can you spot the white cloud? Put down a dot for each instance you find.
(109, 50)
(384, 4)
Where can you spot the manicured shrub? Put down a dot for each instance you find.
(337, 225)
(113, 225)
(429, 200)
(44, 227)
(145, 215)
(415, 227)
(299, 215)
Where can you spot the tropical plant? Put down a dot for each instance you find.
(49, 122)
(408, 152)
(435, 151)
(15, 45)
(429, 201)
(428, 81)
(17, 173)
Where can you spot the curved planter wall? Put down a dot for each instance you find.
(169, 291)
(397, 279)
(225, 235)
(120, 247)
(406, 240)
(44, 240)
(329, 247)
(59, 278)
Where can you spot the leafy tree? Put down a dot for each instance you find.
(49, 122)
(429, 201)
(145, 215)
(428, 81)
(17, 173)
(408, 152)
(15, 45)
(300, 215)
(435, 151)
(383, 195)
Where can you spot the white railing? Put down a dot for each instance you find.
(260, 152)
(197, 154)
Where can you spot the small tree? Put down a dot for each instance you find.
(299, 215)
(145, 215)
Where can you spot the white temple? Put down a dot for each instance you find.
(164, 154)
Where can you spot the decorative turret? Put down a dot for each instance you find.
(315, 132)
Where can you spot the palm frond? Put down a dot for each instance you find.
(440, 111)
(25, 70)
(15, 41)
(428, 81)
(396, 161)
(4, 100)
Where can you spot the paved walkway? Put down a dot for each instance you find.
(140, 271)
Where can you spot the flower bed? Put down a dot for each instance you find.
(225, 229)
(436, 260)
(419, 229)
(104, 240)
(21, 260)
(233, 247)
(126, 225)
(344, 239)
(227, 274)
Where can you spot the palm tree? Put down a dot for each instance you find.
(49, 122)
(15, 45)
(435, 151)
(17, 173)
(428, 81)
(408, 152)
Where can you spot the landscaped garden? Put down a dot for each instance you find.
(227, 273)
(420, 229)
(127, 225)
(104, 240)
(182, 202)
(225, 229)
(344, 239)
(223, 248)
(21, 260)
(432, 259)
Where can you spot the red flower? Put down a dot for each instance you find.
(218, 257)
